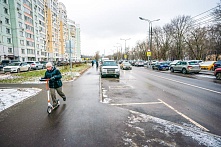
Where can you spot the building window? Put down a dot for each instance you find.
(21, 33)
(9, 50)
(7, 30)
(19, 6)
(5, 1)
(23, 51)
(9, 41)
(6, 10)
(19, 15)
(6, 21)
(30, 51)
(22, 42)
(20, 24)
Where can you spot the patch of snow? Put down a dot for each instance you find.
(164, 126)
(9, 97)
(106, 100)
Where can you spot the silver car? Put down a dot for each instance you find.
(186, 67)
(35, 65)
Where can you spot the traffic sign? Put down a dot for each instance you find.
(148, 53)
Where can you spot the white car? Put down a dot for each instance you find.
(110, 68)
(17, 67)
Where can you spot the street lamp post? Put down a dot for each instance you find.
(125, 44)
(150, 33)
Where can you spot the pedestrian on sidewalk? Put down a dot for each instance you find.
(97, 64)
(92, 63)
(55, 83)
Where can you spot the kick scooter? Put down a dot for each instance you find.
(50, 106)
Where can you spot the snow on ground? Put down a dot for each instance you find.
(9, 97)
(169, 129)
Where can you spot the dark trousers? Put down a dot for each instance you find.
(53, 94)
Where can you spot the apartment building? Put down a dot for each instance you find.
(33, 30)
(74, 36)
(63, 30)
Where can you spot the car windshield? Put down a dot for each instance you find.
(126, 63)
(193, 63)
(14, 64)
(109, 63)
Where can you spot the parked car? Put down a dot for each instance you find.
(198, 61)
(35, 65)
(139, 63)
(153, 62)
(126, 65)
(217, 73)
(62, 63)
(161, 66)
(186, 67)
(174, 62)
(17, 67)
(6, 62)
(208, 65)
(44, 63)
(110, 68)
(217, 64)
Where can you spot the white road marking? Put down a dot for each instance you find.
(189, 84)
(183, 115)
(149, 103)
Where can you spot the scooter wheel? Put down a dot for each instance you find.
(49, 110)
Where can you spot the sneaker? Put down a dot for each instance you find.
(64, 99)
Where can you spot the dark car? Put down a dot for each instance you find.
(161, 66)
(62, 63)
(217, 64)
(217, 73)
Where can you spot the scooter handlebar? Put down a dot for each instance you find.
(43, 79)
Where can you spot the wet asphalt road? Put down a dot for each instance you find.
(83, 120)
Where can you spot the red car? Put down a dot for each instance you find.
(217, 73)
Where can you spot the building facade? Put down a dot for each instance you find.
(33, 30)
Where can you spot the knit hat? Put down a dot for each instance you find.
(49, 64)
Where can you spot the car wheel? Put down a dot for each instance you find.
(171, 69)
(184, 71)
(29, 69)
(18, 70)
(218, 76)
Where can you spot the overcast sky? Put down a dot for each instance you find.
(104, 22)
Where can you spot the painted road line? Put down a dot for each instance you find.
(188, 84)
(183, 115)
(149, 103)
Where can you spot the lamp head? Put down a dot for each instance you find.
(141, 18)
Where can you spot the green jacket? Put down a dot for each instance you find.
(55, 78)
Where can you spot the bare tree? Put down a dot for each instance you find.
(196, 41)
(180, 26)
